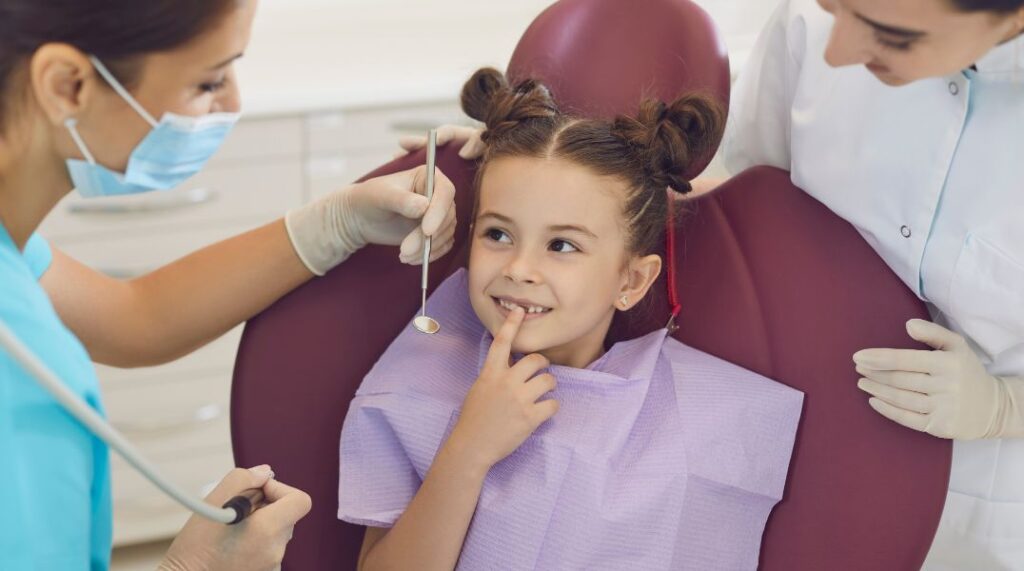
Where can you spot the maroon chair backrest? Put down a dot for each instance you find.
(299, 364)
(769, 279)
(772, 280)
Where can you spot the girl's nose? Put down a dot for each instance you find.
(522, 270)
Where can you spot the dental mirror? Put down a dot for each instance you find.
(423, 323)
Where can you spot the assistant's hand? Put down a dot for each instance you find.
(387, 210)
(945, 391)
(469, 137)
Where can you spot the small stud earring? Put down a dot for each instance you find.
(624, 300)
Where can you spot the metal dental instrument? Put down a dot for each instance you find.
(422, 322)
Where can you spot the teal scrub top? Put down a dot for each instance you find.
(54, 474)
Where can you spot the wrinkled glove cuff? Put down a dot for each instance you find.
(324, 232)
(1009, 418)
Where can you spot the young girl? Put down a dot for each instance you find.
(458, 450)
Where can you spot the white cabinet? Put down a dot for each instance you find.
(177, 413)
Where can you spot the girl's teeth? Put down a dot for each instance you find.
(510, 306)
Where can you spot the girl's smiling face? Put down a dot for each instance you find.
(550, 235)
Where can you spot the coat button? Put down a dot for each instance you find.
(905, 231)
(954, 88)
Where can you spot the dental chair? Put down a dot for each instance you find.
(769, 279)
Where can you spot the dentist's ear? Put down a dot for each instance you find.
(640, 274)
(62, 81)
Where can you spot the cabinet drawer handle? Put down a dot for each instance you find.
(158, 202)
(202, 415)
(121, 273)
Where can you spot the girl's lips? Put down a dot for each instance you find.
(528, 317)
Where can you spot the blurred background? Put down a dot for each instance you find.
(304, 51)
(327, 86)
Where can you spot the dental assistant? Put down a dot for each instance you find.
(906, 118)
(127, 96)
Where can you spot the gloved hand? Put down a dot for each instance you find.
(945, 392)
(386, 210)
(468, 137)
(255, 544)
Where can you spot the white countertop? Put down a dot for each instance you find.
(322, 57)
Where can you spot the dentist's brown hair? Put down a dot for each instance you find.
(118, 32)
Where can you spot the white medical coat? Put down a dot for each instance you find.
(932, 175)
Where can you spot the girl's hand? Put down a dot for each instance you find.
(503, 408)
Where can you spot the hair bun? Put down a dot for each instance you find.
(488, 97)
(669, 138)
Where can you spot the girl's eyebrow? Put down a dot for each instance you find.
(496, 216)
(572, 228)
(555, 228)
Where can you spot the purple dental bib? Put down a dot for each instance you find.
(660, 457)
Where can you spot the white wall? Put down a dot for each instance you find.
(736, 17)
(305, 54)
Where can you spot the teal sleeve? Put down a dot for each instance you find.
(14, 541)
(55, 501)
(38, 255)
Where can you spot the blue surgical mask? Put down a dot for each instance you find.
(175, 149)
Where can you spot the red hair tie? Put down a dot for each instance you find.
(670, 239)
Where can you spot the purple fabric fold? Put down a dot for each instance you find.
(660, 457)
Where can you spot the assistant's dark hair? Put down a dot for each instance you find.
(650, 151)
(116, 31)
(997, 6)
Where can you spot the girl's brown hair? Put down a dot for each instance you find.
(650, 151)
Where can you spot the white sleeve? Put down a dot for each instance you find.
(758, 129)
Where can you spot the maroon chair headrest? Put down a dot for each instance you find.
(600, 57)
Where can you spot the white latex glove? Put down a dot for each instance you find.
(389, 210)
(945, 392)
(255, 544)
(468, 137)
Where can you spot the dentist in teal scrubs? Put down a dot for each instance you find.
(120, 97)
